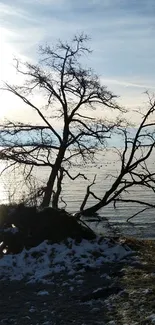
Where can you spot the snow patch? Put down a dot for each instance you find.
(43, 293)
(41, 262)
(12, 230)
(151, 318)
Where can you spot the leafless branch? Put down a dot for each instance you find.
(136, 214)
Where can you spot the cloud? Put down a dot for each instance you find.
(122, 35)
(10, 11)
(131, 95)
(128, 84)
(13, 11)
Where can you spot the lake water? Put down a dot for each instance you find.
(106, 167)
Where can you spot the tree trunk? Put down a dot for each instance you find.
(58, 191)
(55, 170)
(106, 199)
(90, 211)
(49, 189)
(52, 178)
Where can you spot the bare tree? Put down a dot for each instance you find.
(70, 91)
(137, 152)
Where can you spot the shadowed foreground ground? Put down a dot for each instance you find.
(71, 300)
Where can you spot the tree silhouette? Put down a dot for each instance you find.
(70, 91)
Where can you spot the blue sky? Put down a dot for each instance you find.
(122, 39)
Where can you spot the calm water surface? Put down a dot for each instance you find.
(106, 167)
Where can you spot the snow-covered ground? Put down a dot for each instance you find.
(41, 262)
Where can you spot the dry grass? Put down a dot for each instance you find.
(136, 303)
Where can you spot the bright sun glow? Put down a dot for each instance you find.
(7, 72)
(10, 105)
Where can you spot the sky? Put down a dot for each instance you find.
(122, 39)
